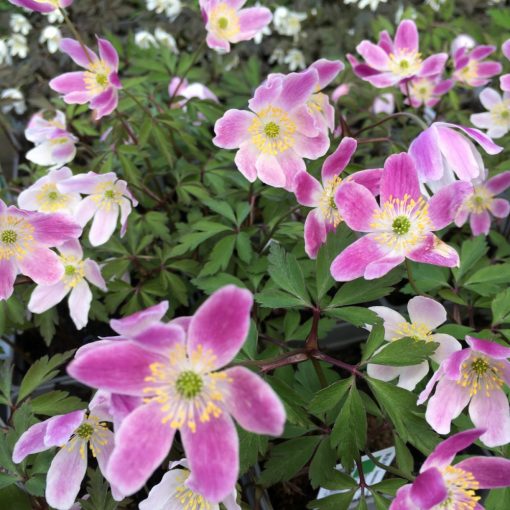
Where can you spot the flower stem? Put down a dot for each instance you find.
(76, 34)
(409, 115)
(390, 469)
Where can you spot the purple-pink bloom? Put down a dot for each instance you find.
(505, 79)
(25, 241)
(227, 23)
(325, 217)
(446, 486)
(426, 91)
(181, 87)
(278, 133)
(108, 196)
(383, 103)
(482, 202)
(74, 433)
(174, 367)
(425, 315)
(497, 119)
(474, 376)
(472, 69)
(77, 274)
(390, 62)
(441, 151)
(400, 227)
(42, 5)
(97, 85)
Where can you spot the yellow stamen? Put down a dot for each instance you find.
(480, 373)
(461, 486)
(224, 21)
(327, 204)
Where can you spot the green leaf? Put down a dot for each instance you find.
(381, 503)
(99, 492)
(250, 447)
(329, 397)
(339, 501)
(7, 479)
(13, 498)
(374, 341)
(389, 486)
(404, 352)
(501, 308)
(498, 499)
(322, 467)
(495, 274)
(220, 256)
(5, 382)
(471, 252)
(356, 315)
(43, 370)
(405, 460)
(274, 298)
(223, 208)
(56, 402)
(243, 247)
(46, 323)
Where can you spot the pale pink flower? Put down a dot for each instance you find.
(426, 91)
(472, 69)
(505, 79)
(384, 103)
(42, 5)
(497, 119)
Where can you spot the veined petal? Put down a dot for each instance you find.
(69, 82)
(426, 155)
(492, 413)
(374, 56)
(42, 265)
(399, 178)
(410, 376)
(60, 428)
(480, 223)
(75, 50)
(245, 160)
(269, 171)
(426, 311)
(93, 274)
(500, 208)
(136, 323)
(53, 229)
(434, 251)
(315, 233)
(251, 21)
(308, 189)
(447, 346)
(108, 53)
(498, 183)
(31, 441)
(328, 70)
(297, 88)
(8, 272)
(103, 226)
(232, 129)
(406, 37)
(444, 205)
(336, 163)
(160, 338)
(164, 495)
(45, 297)
(429, 489)
(356, 206)
(489, 472)
(79, 304)
(433, 65)
(392, 321)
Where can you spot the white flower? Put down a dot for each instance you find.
(462, 41)
(295, 59)
(20, 24)
(435, 4)
(260, 35)
(172, 8)
(16, 101)
(18, 45)
(54, 16)
(497, 119)
(52, 36)
(5, 58)
(166, 39)
(278, 56)
(145, 40)
(373, 4)
(288, 22)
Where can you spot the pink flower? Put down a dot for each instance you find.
(452, 487)
(462, 41)
(391, 62)
(505, 79)
(44, 196)
(425, 315)
(41, 5)
(25, 242)
(74, 433)
(325, 217)
(340, 91)
(469, 68)
(482, 202)
(54, 145)
(77, 272)
(97, 85)
(174, 367)
(278, 133)
(497, 119)
(171, 493)
(108, 196)
(440, 151)
(180, 87)
(401, 227)
(384, 103)
(426, 91)
(227, 23)
(473, 376)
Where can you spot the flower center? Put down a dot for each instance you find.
(109, 193)
(480, 200)
(224, 21)
(188, 499)
(186, 388)
(106, 194)
(91, 431)
(272, 131)
(84, 431)
(415, 330)
(401, 224)
(481, 373)
(49, 199)
(327, 204)
(461, 486)
(501, 114)
(468, 73)
(70, 270)
(74, 270)
(52, 195)
(421, 89)
(405, 63)
(96, 77)
(9, 236)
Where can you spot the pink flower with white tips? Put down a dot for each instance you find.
(325, 217)
(497, 119)
(474, 376)
(25, 241)
(108, 196)
(425, 315)
(180, 87)
(505, 79)
(482, 202)
(472, 69)
(54, 145)
(446, 486)
(391, 62)
(77, 274)
(98, 84)
(401, 227)
(426, 91)
(42, 5)
(178, 370)
(227, 23)
(44, 196)
(74, 433)
(278, 133)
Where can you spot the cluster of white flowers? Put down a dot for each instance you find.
(52, 36)
(294, 58)
(373, 4)
(16, 45)
(171, 8)
(145, 40)
(13, 99)
(287, 22)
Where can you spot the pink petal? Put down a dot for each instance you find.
(221, 324)
(69, 82)
(215, 43)
(336, 163)
(489, 472)
(77, 53)
(77, 97)
(505, 48)
(498, 183)
(402, 499)
(328, 70)
(64, 478)
(308, 189)
(436, 252)
(104, 224)
(251, 21)
(382, 266)
(253, 403)
(399, 178)
(426, 311)
(352, 262)
(382, 372)
(161, 338)
(492, 413)
(8, 274)
(61, 428)
(118, 367)
(433, 65)
(108, 53)
(297, 88)
(382, 80)
(266, 94)
(79, 304)
(315, 233)
(311, 148)
(107, 104)
(504, 82)
(487, 144)
(374, 56)
(426, 155)
(34, 5)
(245, 160)
(482, 51)
(136, 323)
(141, 444)
(480, 223)
(444, 205)
(84, 183)
(356, 206)
(31, 441)
(407, 37)
(370, 179)
(42, 265)
(53, 229)
(385, 42)
(429, 489)
(489, 98)
(213, 455)
(45, 297)
(492, 349)
(232, 129)
(500, 207)
(93, 274)
(269, 171)
(447, 346)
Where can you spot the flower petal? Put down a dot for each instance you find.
(336, 163)
(31, 441)
(232, 129)
(164, 495)
(492, 349)
(136, 323)
(8, 274)
(297, 88)
(436, 252)
(53, 229)
(79, 304)
(108, 53)
(160, 338)
(308, 189)
(328, 70)
(489, 472)
(221, 324)
(42, 265)
(399, 178)
(315, 233)
(480, 223)
(93, 274)
(426, 311)
(74, 49)
(60, 428)
(245, 160)
(407, 37)
(251, 21)
(492, 413)
(373, 55)
(382, 266)
(500, 208)
(103, 226)
(498, 183)
(447, 346)
(356, 206)
(410, 376)
(433, 65)
(45, 297)
(444, 205)
(392, 321)
(429, 489)
(69, 82)
(426, 155)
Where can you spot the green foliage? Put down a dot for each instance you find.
(404, 352)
